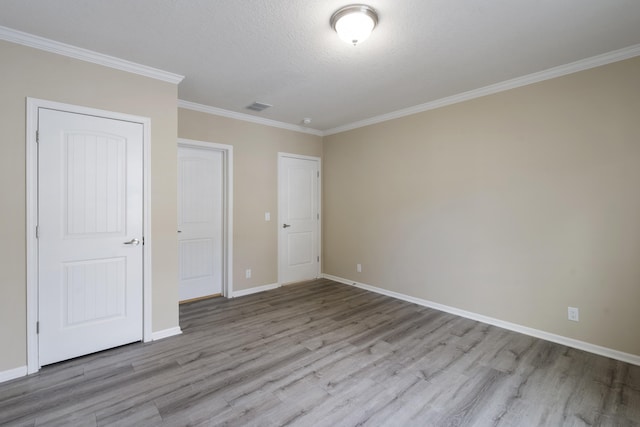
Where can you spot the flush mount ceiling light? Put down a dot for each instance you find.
(354, 23)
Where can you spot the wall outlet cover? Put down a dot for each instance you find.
(573, 313)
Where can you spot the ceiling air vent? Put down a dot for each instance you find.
(258, 106)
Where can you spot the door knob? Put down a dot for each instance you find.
(286, 225)
(134, 242)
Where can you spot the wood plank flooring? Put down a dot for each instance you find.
(326, 354)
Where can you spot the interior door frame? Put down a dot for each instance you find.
(33, 105)
(281, 156)
(227, 210)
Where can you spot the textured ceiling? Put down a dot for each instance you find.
(283, 52)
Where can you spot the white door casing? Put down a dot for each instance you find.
(90, 234)
(200, 222)
(205, 219)
(86, 287)
(298, 218)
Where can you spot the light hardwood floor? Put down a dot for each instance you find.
(326, 354)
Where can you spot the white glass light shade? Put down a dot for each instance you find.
(354, 23)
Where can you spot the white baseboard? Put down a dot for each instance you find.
(255, 290)
(166, 333)
(559, 339)
(12, 374)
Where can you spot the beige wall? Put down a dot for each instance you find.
(26, 72)
(255, 166)
(514, 206)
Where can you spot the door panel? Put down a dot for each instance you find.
(90, 207)
(300, 248)
(95, 184)
(93, 290)
(200, 222)
(298, 187)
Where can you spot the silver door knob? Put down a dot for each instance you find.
(134, 242)
(286, 225)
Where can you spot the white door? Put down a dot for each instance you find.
(200, 222)
(90, 199)
(299, 218)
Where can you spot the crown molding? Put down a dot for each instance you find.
(64, 49)
(246, 117)
(52, 46)
(551, 73)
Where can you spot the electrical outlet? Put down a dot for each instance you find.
(359, 268)
(247, 273)
(573, 314)
(267, 216)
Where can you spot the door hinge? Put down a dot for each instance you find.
(37, 327)
(317, 216)
(142, 240)
(37, 136)
(37, 231)
(318, 172)
(318, 258)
